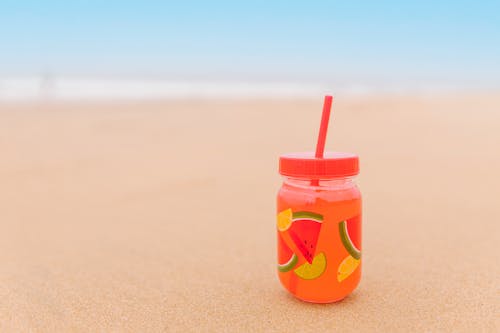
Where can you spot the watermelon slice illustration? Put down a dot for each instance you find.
(304, 232)
(286, 258)
(350, 234)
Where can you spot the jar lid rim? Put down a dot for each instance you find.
(305, 164)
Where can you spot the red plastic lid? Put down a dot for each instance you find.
(305, 165)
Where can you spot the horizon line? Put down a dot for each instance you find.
(44, 87)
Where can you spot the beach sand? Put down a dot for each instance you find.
(160, 215)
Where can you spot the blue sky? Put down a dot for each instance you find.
(314, 41)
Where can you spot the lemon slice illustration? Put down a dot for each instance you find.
(346, 267)
(285, 219)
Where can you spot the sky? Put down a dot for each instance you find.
(365, 42)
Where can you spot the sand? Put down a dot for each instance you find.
(160, 215)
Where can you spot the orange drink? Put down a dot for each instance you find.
(319, 226)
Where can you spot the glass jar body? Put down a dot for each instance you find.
(319, 238)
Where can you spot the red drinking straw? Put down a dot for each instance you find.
(320, 146)
(323, 128)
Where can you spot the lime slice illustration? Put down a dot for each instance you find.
(309, 271)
